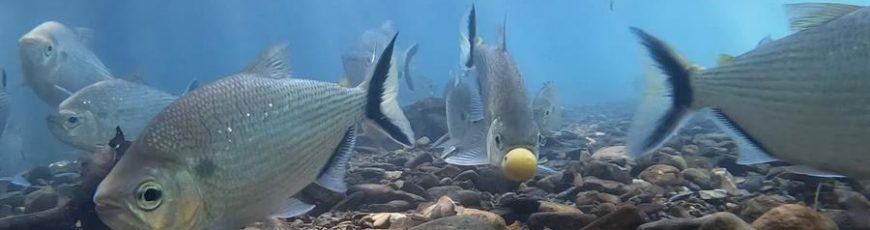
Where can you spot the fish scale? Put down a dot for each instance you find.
(315, 106)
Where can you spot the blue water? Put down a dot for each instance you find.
(583, 46)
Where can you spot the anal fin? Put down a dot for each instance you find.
(294, 208)
(332, 176)
(748, 150)
(810, 171)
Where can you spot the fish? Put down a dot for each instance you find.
(236, 150)
(462, 115)
(547, 110)
(510, 137)
(798, 99)
(56, 63)
(87, 119)
(359, 61)
(4, 102)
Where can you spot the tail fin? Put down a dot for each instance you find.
(382, 108)
(410, 53)
(467, 40)
(661, 113)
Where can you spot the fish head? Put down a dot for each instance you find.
(514, 149)
(149, 193)
(79, 128)
(39, 49)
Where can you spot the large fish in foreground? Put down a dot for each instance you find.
(87, 119)
(547, 110)
(233, 151)
(509, 133)
(802, 98)
(55, 62)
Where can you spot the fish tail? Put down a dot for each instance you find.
(662, 111)
(468, 34)
(382, 107)
(410, 53)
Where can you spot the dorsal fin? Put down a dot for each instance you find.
(86, 36)
(468, 39)
(272, 63)
(503, 34)
(803, 16)
(192, 85)
(764, 41)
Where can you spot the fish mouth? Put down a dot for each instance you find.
(115, 215)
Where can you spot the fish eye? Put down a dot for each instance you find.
(547, 113)
(48, 50)
(72, 120)
(149, 195)
(498, 139)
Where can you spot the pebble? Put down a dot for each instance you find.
(623, 218)
(458, 223)
(559, 220)
(610, 153)
(700, 177)
(716, 221)
(794, 217)
(662, 175)
(607, 171)
(595, 197)
(40, 200)
(754, 207)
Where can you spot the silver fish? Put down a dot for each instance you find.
(233, 151)
(56, 64)
(87, 119)
(547, 110)
(801, 98)
(511, 136)
(359, 61)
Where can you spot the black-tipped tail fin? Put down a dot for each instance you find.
(661, 113)
(382, 106)
(468, 32)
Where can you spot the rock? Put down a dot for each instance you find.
(423, 141)
(715, 194)
(66, 178)
(414, 189)
(665, 156)
(608, 186)
(439, 191)
(547, 206)
(625, 217)
(374, 194)
(595, 197)
(449, 171)
(458, 223)
(610, 153)
(557, 182)
(559, 220)
(754, 207)
(370, 173)
(793, 216)
(14, 199)
(752, 183)
(467, 175)
(391, 220)
(700, 177)
(466, 198)
(39, 175)
(662, 175)
(492, 180)
(444, 207)
(491, 218)
(715, 221)
(607, 171)
(421, 158)
(40, 200)
(722, 179)
(691, 149)
(392, 206)
(384, 166)
(425, 180)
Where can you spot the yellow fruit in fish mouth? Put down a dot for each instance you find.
(519, 164)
